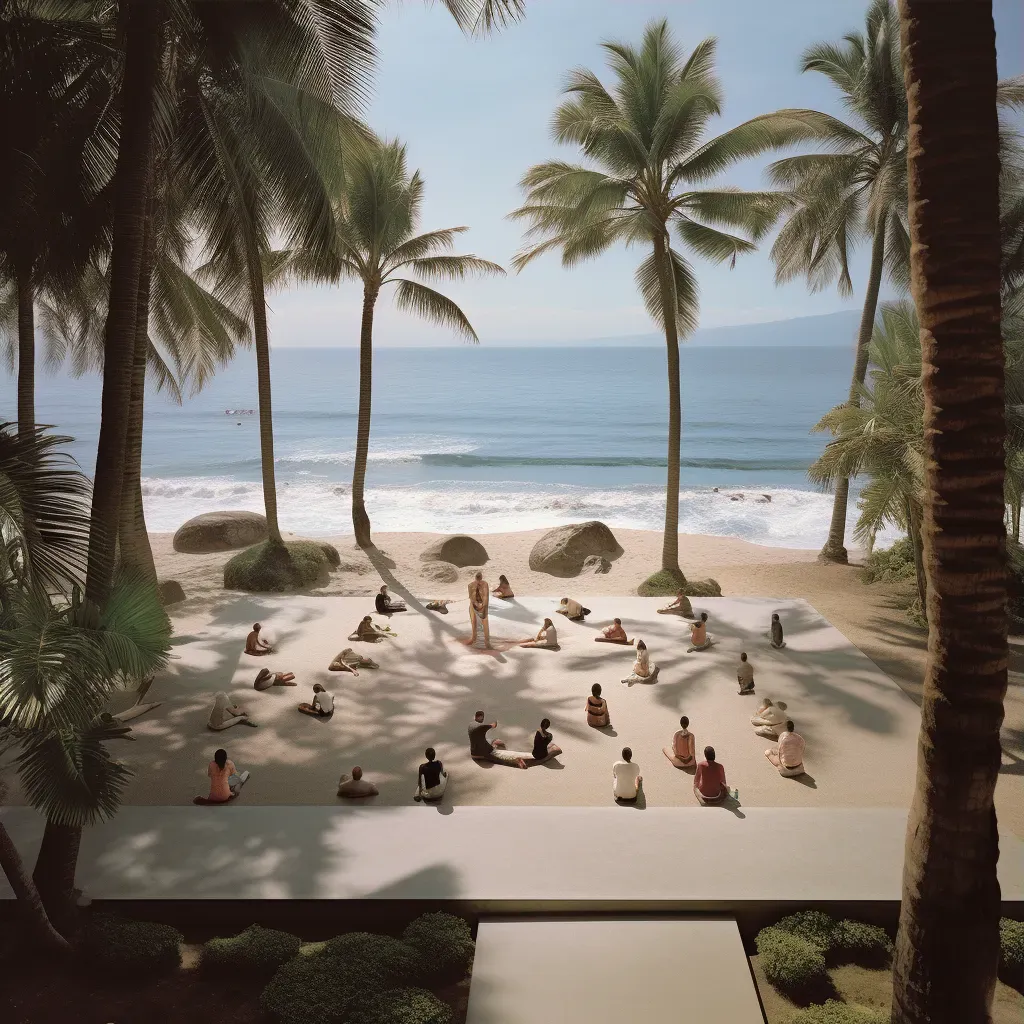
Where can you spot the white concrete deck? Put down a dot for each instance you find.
(586, 857)
(610, 971)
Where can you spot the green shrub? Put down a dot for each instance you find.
(890, 565)
(372, 962)
(268, 568)
(1011, 952)
(702, 588)
(308, 990)
(402, 1006)
(834, 1012)
(664, 584)
(792, 964)
(118, 945)
(443, 944)
(813, 926)
(256, 951)
(858, 943)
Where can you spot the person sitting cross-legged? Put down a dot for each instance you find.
(385, 604)
(355, 785)
(483, 749)
(626, 777)
(546, 638)
(613, 634)
(543, 749)
(644, 670)
(254, 644)
(503, 589)
(699, 638)
(771, 718)
(680, 606)
(225, 714)
(572, 609)
(682, 752)
(745, 675)
(775, 635)
(369, 631)
(788, 754)
(597, 709)
(322, 705)
(431, 778)
(225, 781)
(709, 786)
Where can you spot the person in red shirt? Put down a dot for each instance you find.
(709, 782)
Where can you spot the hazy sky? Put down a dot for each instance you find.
(475, 115)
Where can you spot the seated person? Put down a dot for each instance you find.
(547, 636)
(626, 777)
(613, 634)
(709, 785)
(571, 609)
(542, 748)
(643, 670)
(769, 721)
(682, 752)
(254, 644)
(680, 606)
(370, 632)
(225, 782)
(349, 661)
(225, 714)
(745, 675)
(355, 785)
(265, 679)
(597, 708)
(323, 702)
(386, 604)
(431, 778)
(439, 605)
(483, 749)
(788, 754)
(503, 589)
(775, 634)
(699, 639)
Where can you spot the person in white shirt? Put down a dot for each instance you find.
(626, 777)
(547, 636)
(770, 720)
(322, 704)
(788, 754)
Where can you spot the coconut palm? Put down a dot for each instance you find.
(377, 243)
(947, 947)
(646, 141)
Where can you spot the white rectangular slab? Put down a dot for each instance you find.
(611, 970)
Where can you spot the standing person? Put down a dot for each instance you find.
(431, 778)
(709, 786)
(479, 599)
(626, 777)
(745, 675)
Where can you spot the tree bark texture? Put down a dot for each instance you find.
(360, 520)
(54, 875)
(26, 355)
(37, 922)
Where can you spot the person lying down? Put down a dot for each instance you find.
(349, 661)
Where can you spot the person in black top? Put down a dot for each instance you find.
(542, 748)
(386, 604)
(431, 778)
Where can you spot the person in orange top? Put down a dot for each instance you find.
(699, 633)
(225, 783)
(613, 634)
(682, 752)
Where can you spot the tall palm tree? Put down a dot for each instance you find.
(378, 218)
(645, 139)
(947, 947)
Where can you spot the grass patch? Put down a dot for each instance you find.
(664, 584)
(270, 569)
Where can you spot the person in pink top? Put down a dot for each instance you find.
(225, 783)
(682, 753)
(788, 756)
(709, 782)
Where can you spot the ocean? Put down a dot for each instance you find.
(487, 440)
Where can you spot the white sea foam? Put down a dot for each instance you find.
(412, 448)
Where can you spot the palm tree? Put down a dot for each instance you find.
(645, 138)
(947, 947)
(376, 241)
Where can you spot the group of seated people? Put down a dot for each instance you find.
(772, 722)
(709, 783)
(482, 748)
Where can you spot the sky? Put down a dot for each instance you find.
(476, 113)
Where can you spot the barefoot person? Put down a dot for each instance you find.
(371, 633)
(572, 610)
(479, 598)
(597, 709)
(547, 636)
(226, 714)
(770, 719)
(680, 606)
(355, 786)
(385, 604)
(745, 675)
(626, 778)
(613, 634)
(254, 644)
(644, 671)
(431, 778)
(483, 749)
(503, 589)
(225, 782)
(265, 679)
(709, 785)
(681, 753)
(788, 754)
(349, 661)
(322, 705)
(542, 746)
(699, 639)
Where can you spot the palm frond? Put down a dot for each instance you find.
(424, 302)
(683, 285)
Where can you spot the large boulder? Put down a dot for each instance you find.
(563, 551)
(441, 572)
(220, 531)
(460, 550)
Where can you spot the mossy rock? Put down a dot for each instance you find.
(665, 584)
(269, 568)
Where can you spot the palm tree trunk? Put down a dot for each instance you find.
(25, 892)
(54, 875)
(670, 540)
(1016, 518)
(914, 530)
(26, 356)
(360, 520)
(947, 947)
(835, 546)
(261, 334)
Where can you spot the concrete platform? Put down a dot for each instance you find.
(610, 971)
(500, 858)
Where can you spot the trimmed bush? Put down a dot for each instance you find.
(855, 942)
(372, 962)
(402, 1006)
(331, 554)
(890, 565)
(308, 990)
(256, 951)
(702, 588)
(792, 964)
(119, 945)
(1011, 952)
(664, 584)
(813, 926)
(834, 1012)
(268, 568)
(443, 944)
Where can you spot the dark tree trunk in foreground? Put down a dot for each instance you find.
(26, 356)
(835, 546)
(360, 520)
(54, 875)
(948, 943)
(33, 913)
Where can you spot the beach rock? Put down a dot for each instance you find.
(460, 550)
(220, 531)
(356, 568)
(332, 556)
(563, 551)
(441, 572)
(596, 564)
(170, 592)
